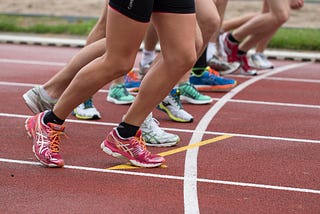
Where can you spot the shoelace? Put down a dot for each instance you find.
(141, 145)
(122, 90)
(154, 125)
(55, 138)
(176, 98)
(212, 71)
(88, 103)
(192, 90)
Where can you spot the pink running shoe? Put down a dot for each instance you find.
(132, 148)
(228, 49)
(46, 140)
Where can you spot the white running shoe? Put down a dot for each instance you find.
(223, 67)
(153, 135)
(36, 102)
(260, 61)
(173, 107)
(86, 111)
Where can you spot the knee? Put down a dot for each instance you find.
(184, 61)
(216, 22)
(280, 18)
(211, 25)
(120, 66)
(124, 66)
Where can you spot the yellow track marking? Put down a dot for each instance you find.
(129, 166)
(202, 143)
(174, 151)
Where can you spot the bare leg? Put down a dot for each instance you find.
(234, 23)
(180, 56)
(151, 38)
(59, 82)
(208, 19)
(149, 51)
(208, 22)
(99, 30)
(263, 43)
(117, 61)
(262, 24)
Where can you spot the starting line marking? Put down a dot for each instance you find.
(174, 151)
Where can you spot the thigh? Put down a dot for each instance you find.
(175, 23)
(176, 33)
(208, 18)
(123, 37)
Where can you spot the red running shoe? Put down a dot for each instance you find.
(228, 49)
(245, 68)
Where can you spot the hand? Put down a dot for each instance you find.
(296, 4)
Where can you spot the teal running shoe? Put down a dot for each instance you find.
(191, 95)
(118, 94)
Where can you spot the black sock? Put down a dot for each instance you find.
(201, 64)
(241, 53)
(50, 117)
(126, 130)
(232, 39)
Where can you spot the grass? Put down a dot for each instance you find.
(285, 38)
(40, 25)
(296, 39)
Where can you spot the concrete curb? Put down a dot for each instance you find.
(66, 42)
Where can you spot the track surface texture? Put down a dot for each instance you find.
(255, 149)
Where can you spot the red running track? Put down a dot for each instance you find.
(268, 163)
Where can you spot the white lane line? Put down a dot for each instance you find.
(15, 84)
(288, 79)
(31, 62)
(294, 79)
(30, 85)
(191, 202)
(43, 40)
(67, 120)
(194, 189)
(276, 104)
(16, 61)
(298, 140)
(172, 177)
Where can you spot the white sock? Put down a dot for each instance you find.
(147, 56)
(211, 50)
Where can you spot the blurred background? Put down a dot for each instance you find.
(74, 18)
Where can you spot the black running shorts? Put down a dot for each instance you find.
(141, 10)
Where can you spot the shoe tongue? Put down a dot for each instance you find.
(139, 133)
(175, 92)
(56, 127)
(88, 104)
